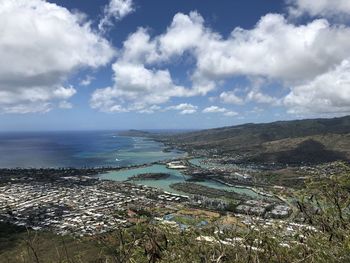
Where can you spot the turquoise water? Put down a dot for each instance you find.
(78, 149)
(143, 151)
(217, 185)
(123, 175)
(175, 177)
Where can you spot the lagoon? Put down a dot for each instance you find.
(175, 177)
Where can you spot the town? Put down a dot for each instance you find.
(71, 201)
(61, 201)
(76, 206)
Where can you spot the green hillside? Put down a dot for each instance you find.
(311, 140)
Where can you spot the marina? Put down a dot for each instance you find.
(176, 176)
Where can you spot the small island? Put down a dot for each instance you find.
(149, 176)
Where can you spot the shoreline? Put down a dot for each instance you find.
(96, 172)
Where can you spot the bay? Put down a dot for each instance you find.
(78, 149)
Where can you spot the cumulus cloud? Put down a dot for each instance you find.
(41, 44)
(320, 7)
(257, 96)
(230, 97)
(253, 95)
(28, 107)
(184, 108)
(180, 29)
(275, 49)
(216, 109)
(117, 10)
(289, 54)
(140, 86)
(231, 113)
(151, 109)
(327, 93)
(87, 80)
(253, 92)
(138, 79)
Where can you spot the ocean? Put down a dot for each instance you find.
(78, 149)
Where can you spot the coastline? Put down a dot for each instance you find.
(97, 172)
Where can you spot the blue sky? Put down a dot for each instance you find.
(185, 64)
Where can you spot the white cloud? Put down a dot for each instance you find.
(152, 109)
(320, 7)
(87, 80)
(116, 9)
(64, 93)
(253, 94)
(28, 107)
(327, 93)
(274, 49)
(176, 40)
(257, 96)
(230, 97)
(140, 86)
(214, 109)
(231, 114)
(32, 99)
(224, 111)
(104, 100)
(65, 105)
(139, 48)
(138, 79)
(184, 108)
(288, 54)
(35, 62)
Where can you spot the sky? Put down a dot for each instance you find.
(184, 64)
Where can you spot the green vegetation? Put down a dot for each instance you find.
(323, 205)
(187, 220)
(18, 245)
(9, 235)
(197, 189)
(292, 142)
(149, 176)
(283, 178)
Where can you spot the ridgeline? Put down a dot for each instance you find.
(289, 142)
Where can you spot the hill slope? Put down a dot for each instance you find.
(312, 140)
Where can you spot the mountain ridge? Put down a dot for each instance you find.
(266, 142)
